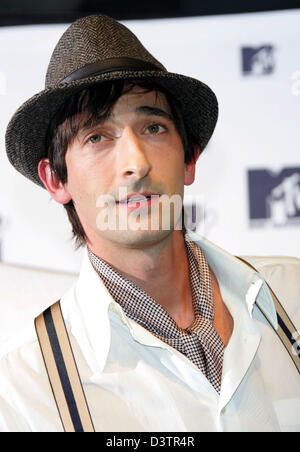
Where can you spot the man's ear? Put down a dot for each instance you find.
(54, 186)
(189, 172)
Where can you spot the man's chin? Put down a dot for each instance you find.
(139, 228)
(137, 238)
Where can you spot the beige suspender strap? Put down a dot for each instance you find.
(286, 331)
(62, 371)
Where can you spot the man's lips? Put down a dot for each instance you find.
(138, 197)
(136, 200)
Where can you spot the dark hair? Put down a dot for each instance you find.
(87, 108)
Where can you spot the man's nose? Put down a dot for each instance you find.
(133, 158)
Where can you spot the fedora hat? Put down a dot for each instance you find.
(92, 50)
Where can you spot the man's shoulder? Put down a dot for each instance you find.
(24, 336)
(277, 270)
(13, 346)
(282, 273)
(264, 262)
(26, 292)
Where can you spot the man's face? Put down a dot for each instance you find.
(136, 151)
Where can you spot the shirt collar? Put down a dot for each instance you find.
(90, 304)
(93, 300)
(237, 278)
(141, 307)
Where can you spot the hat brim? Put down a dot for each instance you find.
(27, 130)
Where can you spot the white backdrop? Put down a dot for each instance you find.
(256, 141)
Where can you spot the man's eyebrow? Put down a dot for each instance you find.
(154, 111)
(145, 109)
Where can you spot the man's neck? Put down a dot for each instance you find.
(161, 270)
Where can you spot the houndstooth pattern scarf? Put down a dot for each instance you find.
(200, 342)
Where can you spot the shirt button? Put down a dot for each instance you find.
(223, 411)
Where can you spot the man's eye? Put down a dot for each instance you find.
(155, 128)
(97, 138)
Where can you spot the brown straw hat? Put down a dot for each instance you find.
(92, 50)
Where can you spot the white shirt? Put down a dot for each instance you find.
(134, 382)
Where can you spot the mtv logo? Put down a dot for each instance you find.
(258, 61)
(274, 197)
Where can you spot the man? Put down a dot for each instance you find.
(169, 332)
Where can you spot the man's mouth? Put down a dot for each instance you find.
(137, 200)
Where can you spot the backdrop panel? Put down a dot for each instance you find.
(247, 187)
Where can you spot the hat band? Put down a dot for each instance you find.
(110, 65)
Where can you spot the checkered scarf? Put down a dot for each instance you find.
(199, 342)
